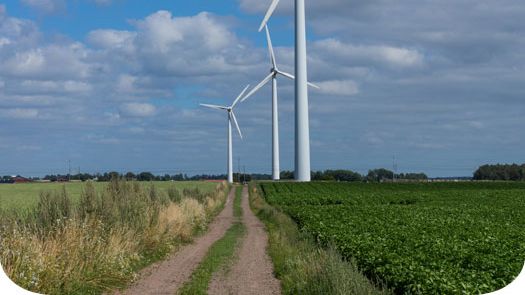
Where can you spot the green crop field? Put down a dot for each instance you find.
(431, 238)
(26, 195)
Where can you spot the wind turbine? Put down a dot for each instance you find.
(302, 121)
(231, 117)
(274, 72)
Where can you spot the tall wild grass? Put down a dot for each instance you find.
(100, 243)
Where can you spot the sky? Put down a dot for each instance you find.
(115, 85)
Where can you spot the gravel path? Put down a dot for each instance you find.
(168, 276)
(252, 273)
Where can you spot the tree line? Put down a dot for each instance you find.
(508, 172)
(502, 172)
(375, 175)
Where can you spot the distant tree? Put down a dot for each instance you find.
(412, 176)
(6, 179)
(51, 178)
(145, 176)
(287, 175)
(177, 177)
(113, 175)
(378, 175)
(130, 176)
(508, 172)
(343, 175)
(336, 175)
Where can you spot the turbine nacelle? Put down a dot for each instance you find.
(231, 114)
(274, 71)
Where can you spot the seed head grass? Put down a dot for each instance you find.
(100, 243)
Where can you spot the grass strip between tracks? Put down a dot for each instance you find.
(220, 254)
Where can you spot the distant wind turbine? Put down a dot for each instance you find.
(302, 121)
(231, 117)
(274, 72)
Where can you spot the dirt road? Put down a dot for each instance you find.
(168, 276)
(252, 273)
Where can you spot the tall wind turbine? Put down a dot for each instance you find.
(302, 121)
(231, 117)
(274, 72)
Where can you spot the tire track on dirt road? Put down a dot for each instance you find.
(252, 272)
(167, 276)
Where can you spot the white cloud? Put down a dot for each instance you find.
(4, 41)
(369, 55)
(185, 46)
(17, 30)
(138, 110)
(373, 138)
(339, 87)
(52, 87)
(101, 139)
(126, 84)
(50, 62)
(112, 39)
(19, 113)
(46, 6)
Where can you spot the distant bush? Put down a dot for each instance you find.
(337, 175)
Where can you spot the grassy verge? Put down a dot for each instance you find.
(220, 255)
(237, 208)
(213, 206)
(302, 266)
(97, 244)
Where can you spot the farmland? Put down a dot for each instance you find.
(443, 238)
(90, 238)
(26, 195)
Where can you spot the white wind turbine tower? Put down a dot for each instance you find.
(302, 122)
(231, 117)
(274, 72)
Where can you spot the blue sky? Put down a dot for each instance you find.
(115, 84)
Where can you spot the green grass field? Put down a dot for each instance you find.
(431, 238)
(25, 195)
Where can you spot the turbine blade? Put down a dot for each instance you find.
(211, 106)
(314, 85)
(270, 47)
(269, 14)
(292, 77)
(289, 76)
(259, 86)
(240, 96)
(236, 124)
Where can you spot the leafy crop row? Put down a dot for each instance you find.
(419, 238)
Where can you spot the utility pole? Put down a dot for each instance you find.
(69, 170)
(244, 174)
